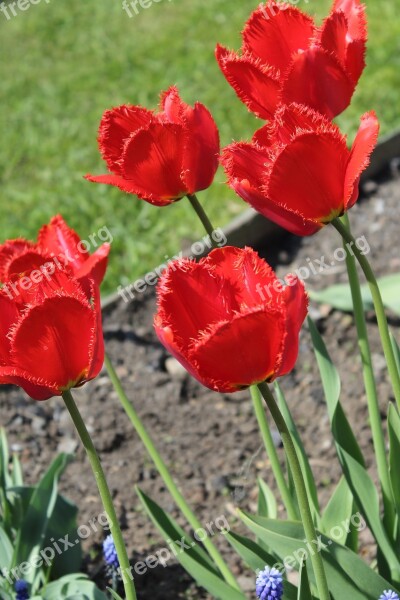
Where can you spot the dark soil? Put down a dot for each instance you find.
(210, 442)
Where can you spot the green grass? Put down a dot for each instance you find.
(64, 62)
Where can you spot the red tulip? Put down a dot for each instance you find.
(160, 157)
(286, 58)
(55, 342)
(228, 320)
(58, 247)
(298, 171)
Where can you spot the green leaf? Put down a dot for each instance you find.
(301, 454)
(114, 594)
(339, 296)
(394, 454)
(254, 555)
(348, 575)
(33, 530)
(338, 513)
(17, 476)
(267, 506)
(304, 591)
(73, 587)
(193, 559)
(349, 453)
(6, 550)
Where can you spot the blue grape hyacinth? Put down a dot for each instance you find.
(21, 587)
(110, 552)
(269, 584)
(389, 595)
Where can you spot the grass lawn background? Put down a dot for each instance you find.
(64, 62)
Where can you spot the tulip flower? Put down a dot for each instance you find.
(58, 247)
(162, 156)
(298, 171)
(55, 342)
(228, 320)
(286, 58)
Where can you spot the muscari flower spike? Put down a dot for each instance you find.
(21, 587)
(269, 584)
(110, 552)
(389, 595)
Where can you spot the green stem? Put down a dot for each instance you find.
(378, 304)
(166, 476)
(370, 385)
(272, 453)
(105, 495)
(201, 213)
(306, 517)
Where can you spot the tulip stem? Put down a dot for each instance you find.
(201, 213)
(301, 492)
(378, 304)
(105, 495)
(166, 476)
(272, 453)
(370, 385)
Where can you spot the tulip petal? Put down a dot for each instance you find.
(249, 275)
(201, 152)
(308, 175)
(57, 239)
(52, 341)
(335, 38)
(354, 11)
(36, 388)
(245, 165)
(296, 302)
(11, 250)
(318, 80)
(153, 160)
(256, 85)
(211, 299)
(116, 127)
(274, 32)
(9, 316)
(240, 352)
(96, 265)
(96, 349)
(363, 146)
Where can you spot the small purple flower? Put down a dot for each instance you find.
(110, 552)
(389, 595)
(269, 584)
(21, 587)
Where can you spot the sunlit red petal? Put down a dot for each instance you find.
(240, 352)
(256, 85)
(296, 303)
(153, 161)
(58, 239)
(11, 250)
(36, 388)
(9, 317)
(308, 175)
(335, 38)
(195, 297)
(361, 151)
(247, 273)
(96, 265)
(318, 80)
(274, 32)
(355, 15)
(200, 157)
(116, 126)
(52, 341)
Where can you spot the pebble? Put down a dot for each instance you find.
(67, 445)
(174, 368)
